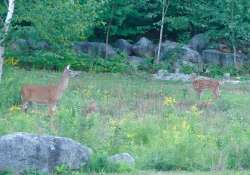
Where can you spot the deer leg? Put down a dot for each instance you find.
(198, 94)
(52, 109)
(216, 93)
(25, 105)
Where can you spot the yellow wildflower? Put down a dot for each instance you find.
(14, 108)
(87, 92)
(185, 124)
(11, 61)
(113, 123)
(169, 101)
(194, 109)
(130, 136)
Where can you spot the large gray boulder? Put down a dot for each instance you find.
(134, 60)
(21, 152)
(144, 48)
(178, 55)
(176, 51)
(123, 46)
(212, 56)
(29, 44)
(199, 42)
(94, 49)
(42, 45)
(122, 158)
(20, 45)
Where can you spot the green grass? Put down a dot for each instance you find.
(187, 173)
(161, 123)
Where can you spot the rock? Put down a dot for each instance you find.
(122, 158)
(42, 45)
(161, 75)
(212, 56)
(20, 44)
(223, 48)
(199, 42)
(176, 51)
(136, 60)
(178, 55)
(164, 75)
(94, 49)
(191, 55)
(23, 151)
(29, 44)
(144, 48)
(226, 76)
(123, 46)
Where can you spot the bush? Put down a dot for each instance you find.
(187, 69)
(218, 71)
(59, 59)
(100, 163)
(135, 117)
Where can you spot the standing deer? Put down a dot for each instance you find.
(200, 85)
(49, 95)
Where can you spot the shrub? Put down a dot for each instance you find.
(218, 71)
(100, 163)
(58, 60)
(187, 69)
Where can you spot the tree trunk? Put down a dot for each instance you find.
(233, 36)
(235, 57)
(107, 40)
(108, 32)
(160, 40)
(9, 16)
(165, 4)
(6, 26)
(1, 61)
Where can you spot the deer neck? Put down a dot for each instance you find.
(63, 84)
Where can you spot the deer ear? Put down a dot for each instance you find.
(68, 67)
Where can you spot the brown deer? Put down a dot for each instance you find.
(200, 85)
(49, 95)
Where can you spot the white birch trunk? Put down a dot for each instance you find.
(235, 57)
(7, 22)
(1, 61)
(165, 4)
(160, 40)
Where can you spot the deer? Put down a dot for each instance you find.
(48, 95)
(200, 85)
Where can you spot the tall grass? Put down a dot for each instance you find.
(162, 124)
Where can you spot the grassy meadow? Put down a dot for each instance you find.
(161, 123)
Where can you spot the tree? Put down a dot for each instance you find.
(6, 25)
(116, 11)
(125, 19)
(59, 22)
(165, 5)
(230, 21)
(232, 29)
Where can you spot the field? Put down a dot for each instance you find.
(162, 124)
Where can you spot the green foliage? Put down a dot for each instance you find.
(100, 163)
(187, 69)
(152, 120)
(5, 173)
(218, 71)
(57, 61)
(58, 22)
(61, 23)
(123, 17)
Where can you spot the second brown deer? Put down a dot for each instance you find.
(200, 85)
(48, 95)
